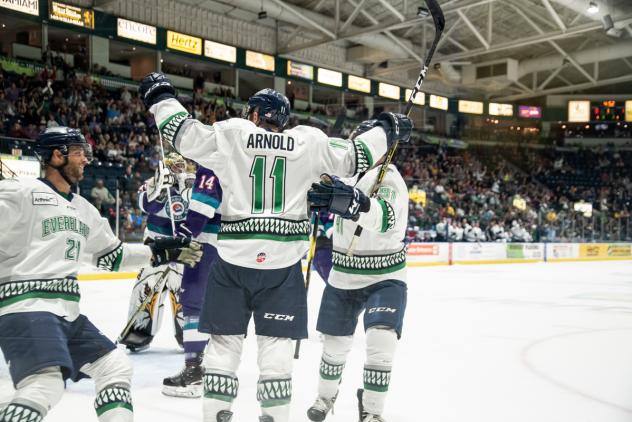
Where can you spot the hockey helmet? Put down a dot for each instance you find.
(176, 163)
(60, 138)
(272, 107)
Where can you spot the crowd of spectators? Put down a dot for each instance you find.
(520, 195)
(475, 194)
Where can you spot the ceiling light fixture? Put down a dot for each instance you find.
(593, 8)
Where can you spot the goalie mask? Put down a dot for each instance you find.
(175, 163)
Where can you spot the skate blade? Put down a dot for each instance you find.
(191, 392)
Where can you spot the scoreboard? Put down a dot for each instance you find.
(607, 111)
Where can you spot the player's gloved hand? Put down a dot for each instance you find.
(175, 249)
(365, 126)
(332, 194)
(156, 187)
(154, 88)
(398, 127)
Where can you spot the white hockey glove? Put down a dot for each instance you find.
(162, 180)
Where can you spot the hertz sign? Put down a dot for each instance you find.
(183, 42)
(72, 15)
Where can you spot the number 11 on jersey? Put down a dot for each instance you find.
(277, 174)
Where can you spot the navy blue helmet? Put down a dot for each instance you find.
(60, 138)
(272, 107)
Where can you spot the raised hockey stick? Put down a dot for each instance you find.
(439, 22)
(158, 288)
(308, 276)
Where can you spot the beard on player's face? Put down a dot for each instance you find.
(75, 163)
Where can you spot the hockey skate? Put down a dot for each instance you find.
(136, 341)
(321, 407)
(364, 416)
(187, 383)
(224, 416)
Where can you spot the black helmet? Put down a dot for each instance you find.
(272, 107)
(60, 138)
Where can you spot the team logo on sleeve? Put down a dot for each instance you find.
(179, 208)
(261, 257)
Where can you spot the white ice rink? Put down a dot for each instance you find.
(494, 343)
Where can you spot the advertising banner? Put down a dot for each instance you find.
(605, 250)
(525, 251)
(73, 15)
(184, 42)
(25, 6)
(428, 253)
(136, 31)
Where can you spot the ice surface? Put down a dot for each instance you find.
(531, 342)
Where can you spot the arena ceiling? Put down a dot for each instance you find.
(549, 46)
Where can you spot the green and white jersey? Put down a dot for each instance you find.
(45, 235)
(265, 177)
(380, 253)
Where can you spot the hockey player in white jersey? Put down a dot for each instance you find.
(265, 173)
(43, 335)
(153, 200)
(372, 280)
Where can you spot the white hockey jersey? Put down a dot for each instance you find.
(45, 235)
(265, 177)
(380, 253)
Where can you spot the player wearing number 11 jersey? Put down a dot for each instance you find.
(265, 173)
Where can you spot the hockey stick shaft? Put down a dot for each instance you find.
(308, 276)
(158, 288)
(439, 22)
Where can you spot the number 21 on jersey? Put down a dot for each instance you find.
(259, 184)
(73, 249)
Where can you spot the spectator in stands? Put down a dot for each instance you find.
(126, 97)
(101, 196)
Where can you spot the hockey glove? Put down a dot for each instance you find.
(341, 199)
(398, 127)
(175, 249)
(365, 126)
(157, 186)
(154, 88)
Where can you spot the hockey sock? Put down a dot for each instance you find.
(274, 389)
(332, 363)
(275, 395)
(381, 344)
(194, 341)
(114, 404)
(34, 396)
(220, 391)
(20, 412)
(112, 375)
(221, 385)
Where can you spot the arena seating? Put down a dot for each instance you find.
(526, 192)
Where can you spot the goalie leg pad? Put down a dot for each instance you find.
(274, 389)
(332, 363)
(112, 375)
(221, 361)
(381, 343)
(35, 395)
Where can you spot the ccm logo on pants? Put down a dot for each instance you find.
(382, 309)
(278, 317)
